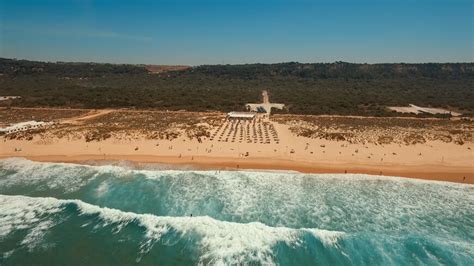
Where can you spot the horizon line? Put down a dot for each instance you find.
(232, 64)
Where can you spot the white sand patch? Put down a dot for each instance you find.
(418, 109)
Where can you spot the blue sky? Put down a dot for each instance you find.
(230, 32)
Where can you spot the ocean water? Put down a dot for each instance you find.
(69, 214)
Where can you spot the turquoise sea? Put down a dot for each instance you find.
(123, 214)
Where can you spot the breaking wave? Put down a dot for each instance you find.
(52, 212)
(216, 241)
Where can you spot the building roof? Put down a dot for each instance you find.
(267, 107)
(19, 126)
(241, 115)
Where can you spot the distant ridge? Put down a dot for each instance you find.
(247, 71)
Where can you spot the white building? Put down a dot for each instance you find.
(6, 98)
(241, 115)
(23, 126)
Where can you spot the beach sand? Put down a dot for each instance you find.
(434, 159)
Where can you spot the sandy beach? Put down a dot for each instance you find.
(421, 171)
(222, 148)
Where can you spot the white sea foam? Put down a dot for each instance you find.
(65, 176)
(345, 202)
(35, 236)
(220, 242)
(328, 238)
(350, 203)
(102, 189)
(17, 163)
(19, 214)
(280, 201)
(71, 171)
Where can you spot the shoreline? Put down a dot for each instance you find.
(427, 149)
(416, 171)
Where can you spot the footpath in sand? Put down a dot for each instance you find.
(89, 115)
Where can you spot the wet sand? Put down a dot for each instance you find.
(427, 172)
(441, 161)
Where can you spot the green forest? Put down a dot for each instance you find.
(321, 88)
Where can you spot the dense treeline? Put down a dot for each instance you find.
(340, 70)
(63, 69)
(337, 88)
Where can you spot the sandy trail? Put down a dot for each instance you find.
(182, 111)
(265, 97)
(92, 114)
